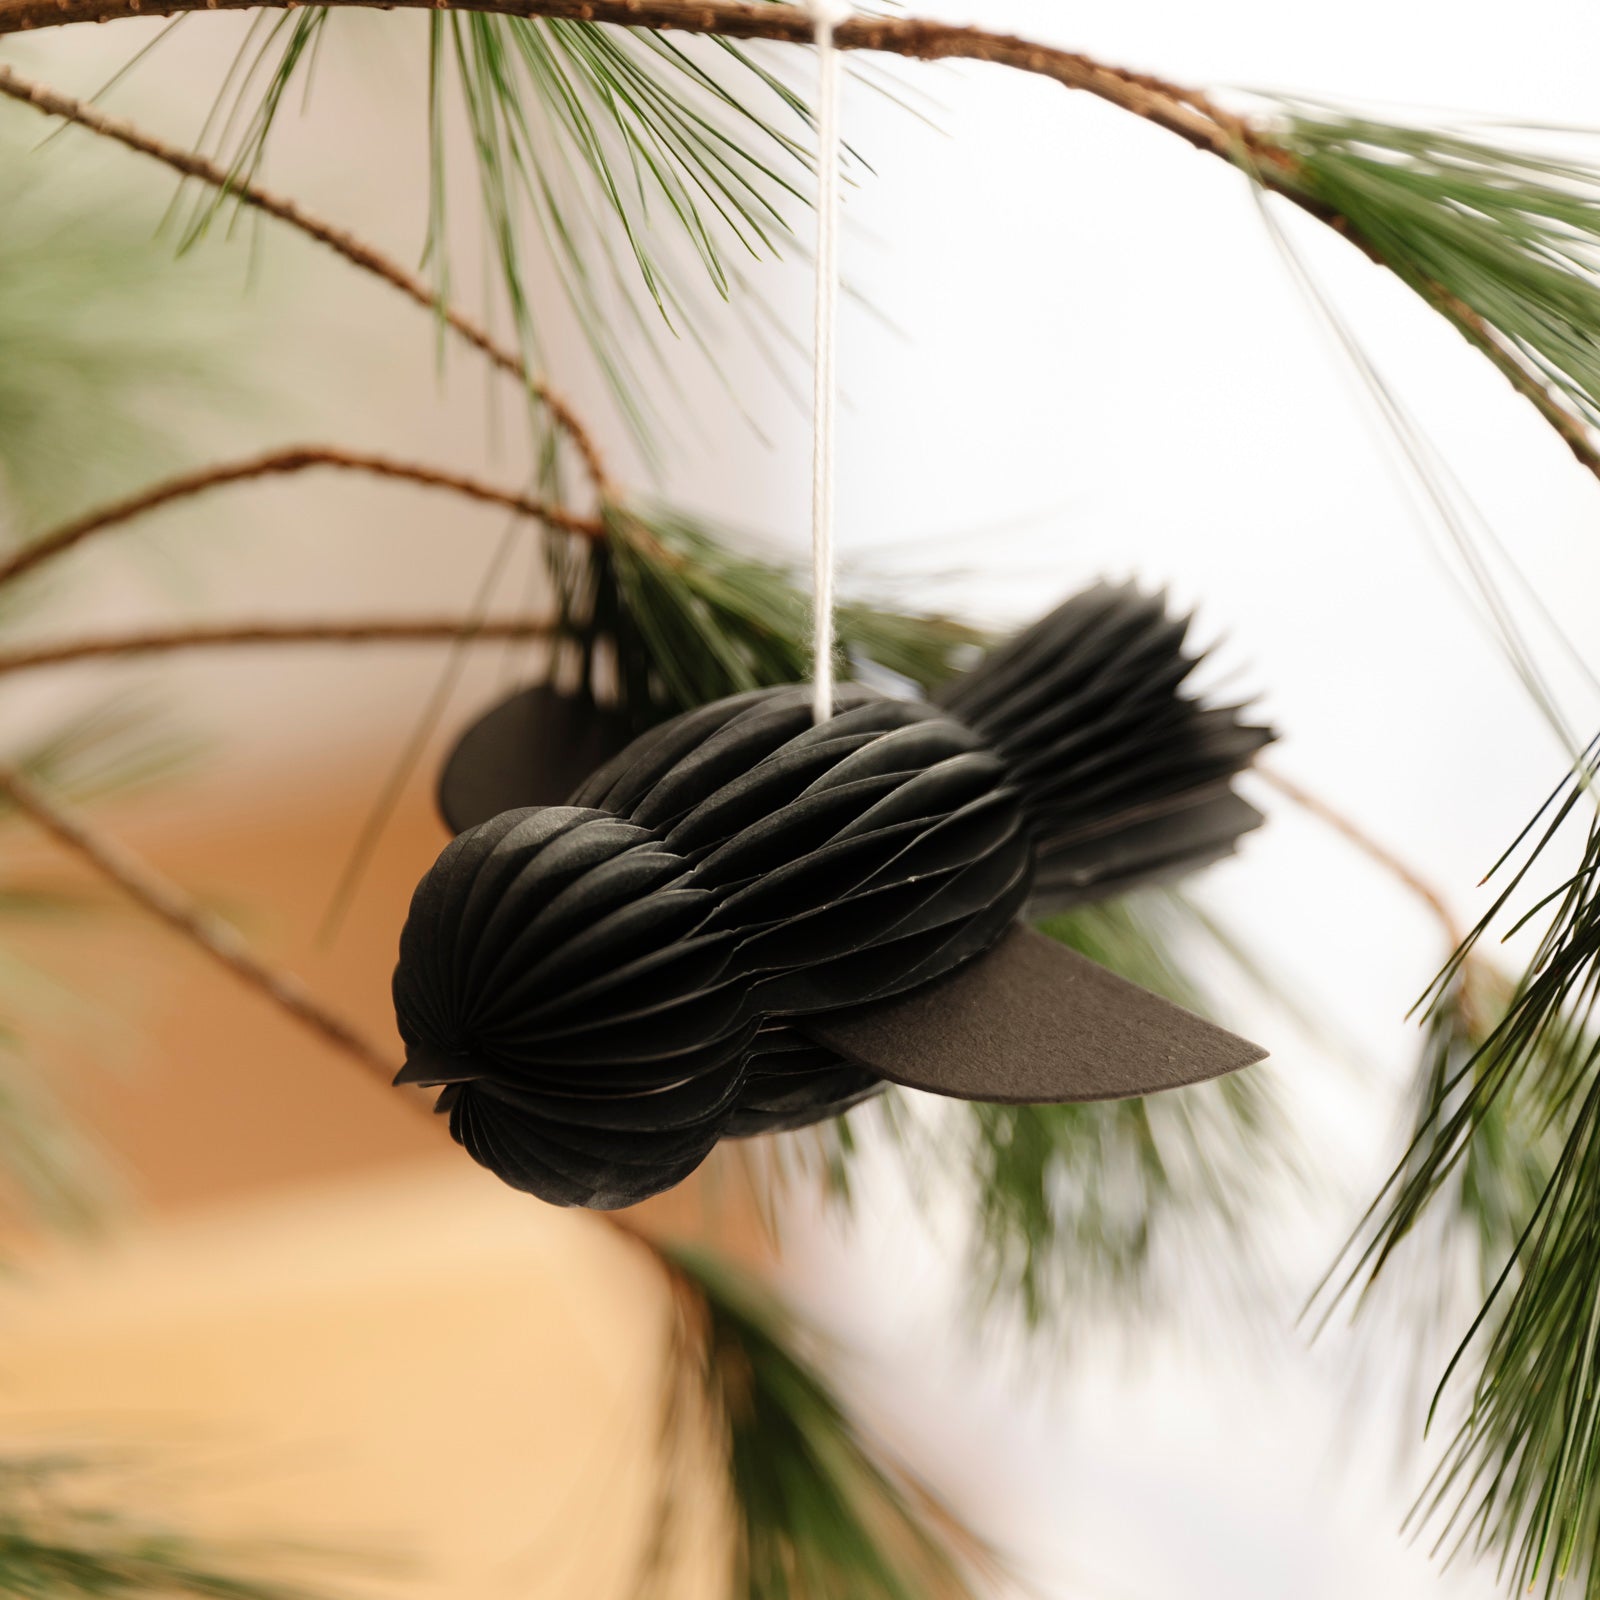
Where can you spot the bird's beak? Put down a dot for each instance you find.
(432, 1068)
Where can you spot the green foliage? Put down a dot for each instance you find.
(1512, 236)
(1521, 1469)
(1494, 1196)
(682, 617)
(1440, 1250)
(275, 51)
(819, 1510)
(111, 748)
(48, 1170)
(616, 148)
(638, 168)
(90, 373)
(1082, 1207)
(1512, 1111)
(53, 1546)
(1512, 1150)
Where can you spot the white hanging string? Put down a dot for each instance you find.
(826, 15)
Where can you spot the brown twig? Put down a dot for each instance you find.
(1476, 981)
(225, 945)
(164, 641)
(1569, 428)
(1188, 113)
(280, 463)
(340, 240)
(1380, 854)
(186, 917)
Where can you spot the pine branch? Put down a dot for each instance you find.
(690, 619)
(340, 240)
(634, 164)
(56, 1541)
(1502, 245)
(1292, 167)
(357, 630)
(107, 351)
(819, 1508)
(164, 900)
(1454, 1261)
(1501, 1158)
(1513, 1095)
(280, 463)
(1186, 112)
(1302, 164)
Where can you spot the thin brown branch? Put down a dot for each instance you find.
(280, 463)
(1185, 112)
(225, 945)
(1569, 428)
(1375, 851)
(340, 240)
(382, 630)
(1188, 113)
(163, 899)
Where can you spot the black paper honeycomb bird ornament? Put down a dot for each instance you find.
(748, 919)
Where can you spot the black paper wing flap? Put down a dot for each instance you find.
(1032, 1021)
(533, 749)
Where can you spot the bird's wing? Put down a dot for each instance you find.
(1032, 1021)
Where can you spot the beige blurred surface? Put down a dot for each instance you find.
(319, 1320)
(422, 1367)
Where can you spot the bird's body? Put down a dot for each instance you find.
(605, 989)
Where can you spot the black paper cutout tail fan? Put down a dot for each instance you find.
(746, 922)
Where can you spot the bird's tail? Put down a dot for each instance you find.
(1127, 779)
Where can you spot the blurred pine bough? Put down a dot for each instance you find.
(107, 346)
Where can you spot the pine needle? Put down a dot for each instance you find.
(1513, 237)
(50, 1172)
(55, 1545)
(636, 168)
(819, 1509)
(89, 310)
(1512, 1110)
